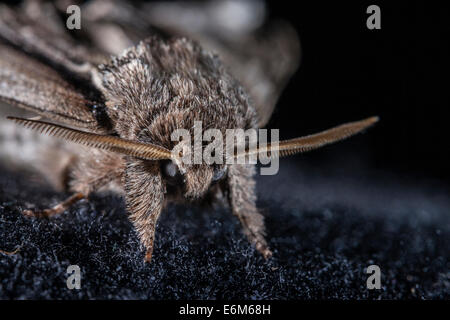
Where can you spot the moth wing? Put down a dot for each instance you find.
(36, 29)
(27, 83)
(264, 61)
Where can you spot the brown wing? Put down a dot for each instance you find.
(35, 28)
(44, 70)
(264, 61)
(29, 84)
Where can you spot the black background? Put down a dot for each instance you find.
(349, 72)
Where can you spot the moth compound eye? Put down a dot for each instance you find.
(219, 173)
(170, 169)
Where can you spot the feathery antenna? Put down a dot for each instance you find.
(314, 141)
(140, 150)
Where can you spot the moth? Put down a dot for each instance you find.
(131, 76)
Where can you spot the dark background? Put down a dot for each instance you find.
(349, 72)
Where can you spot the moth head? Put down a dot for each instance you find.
(198, 178)
(195, 178)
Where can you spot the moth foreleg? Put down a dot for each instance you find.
(243, 204)
(144, 193)
(87, 172)
(57, 209)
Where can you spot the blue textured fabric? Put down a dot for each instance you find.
(324, 229)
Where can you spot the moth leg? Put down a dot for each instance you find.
(59, 208)
(85, 173)
(144, 193)
(95, 169)
(243, 203)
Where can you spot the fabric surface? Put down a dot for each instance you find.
(325, 227)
